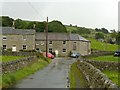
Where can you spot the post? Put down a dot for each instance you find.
(47, 37)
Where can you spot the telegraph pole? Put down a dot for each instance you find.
(46, 37)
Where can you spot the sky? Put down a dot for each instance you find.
(83, 13)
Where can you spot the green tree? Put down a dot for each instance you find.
(56, 26)
(99, 36)
(6, 21)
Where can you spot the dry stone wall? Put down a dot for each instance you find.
(94, 77)
(105, 65)
(17, 64)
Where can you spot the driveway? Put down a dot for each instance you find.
(53, 76)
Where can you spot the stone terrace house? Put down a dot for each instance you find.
(17, 39)
(63, 43)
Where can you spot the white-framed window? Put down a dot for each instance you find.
(4, 37)
(64, 50)
(24, 47)
(64, 42)
(4, 47)
(50, 42)
(50, 50)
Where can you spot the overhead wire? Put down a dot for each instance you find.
(35, 9)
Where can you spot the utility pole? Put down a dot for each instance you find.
(46, 37)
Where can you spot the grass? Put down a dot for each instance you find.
(76, 78)
(114, 76)
(9, 58)
(106, 58)
(102, 45)
(11, 78)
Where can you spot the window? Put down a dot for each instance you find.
(64, 50)
(24, 47)
(37, 49)
(4, 38)
(24, 37)
(4, 47)
(64, 42)
(50, 50)
(74, 46)
(50, 42)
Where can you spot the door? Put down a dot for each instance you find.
(14, 48)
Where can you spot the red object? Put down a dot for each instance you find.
(49, 55)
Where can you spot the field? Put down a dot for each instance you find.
(114, 76)
(102, 45)
(9, 58)
(106, 58)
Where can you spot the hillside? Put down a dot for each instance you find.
(102, 45)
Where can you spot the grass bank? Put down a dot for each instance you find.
(102, 45)
(9, 58)
(76, 78)
(11, 78)
(114, 76)
(109, 58)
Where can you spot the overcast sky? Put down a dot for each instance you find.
(84, 13)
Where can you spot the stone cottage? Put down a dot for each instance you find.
(17, 39)
(63, 43)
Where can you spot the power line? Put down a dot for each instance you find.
(35, 9)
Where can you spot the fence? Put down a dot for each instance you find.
(94, 77)
(17, 64)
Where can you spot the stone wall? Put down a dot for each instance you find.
(8, 53)
(99, 53)
(105, 65)
(94, 77)
(17, 64)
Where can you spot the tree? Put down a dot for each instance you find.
(56, 26)
(99, 36)
(6, 21)
(118, 38)
(104, 30)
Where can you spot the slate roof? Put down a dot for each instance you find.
(52, 36)
(10, 30)
(60, 36)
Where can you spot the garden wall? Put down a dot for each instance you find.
(17, 64)
(94, 77)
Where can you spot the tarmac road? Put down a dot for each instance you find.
(53, 76)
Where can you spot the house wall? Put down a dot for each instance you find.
(82, 47)
(56, 45)
(19, 41)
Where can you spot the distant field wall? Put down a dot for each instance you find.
(105, 65)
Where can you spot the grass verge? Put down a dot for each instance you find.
(11, 78)
(106, 58)
(76, 77)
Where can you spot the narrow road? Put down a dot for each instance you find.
(53, 76)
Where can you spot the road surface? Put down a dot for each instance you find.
(53, 76)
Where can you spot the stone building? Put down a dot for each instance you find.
(17, 39)
(60, 43)
(63, 43)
